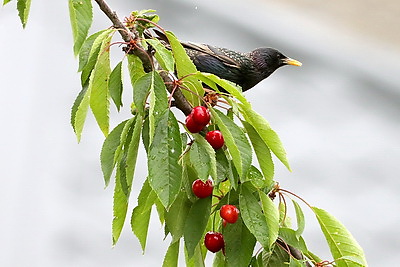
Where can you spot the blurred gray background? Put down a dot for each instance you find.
(338, 116)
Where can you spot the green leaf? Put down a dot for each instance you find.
(296, 263)
(262, 152)
(6, 1)
(152, 85)
(224, 168)
(176, 216)
(202, 157)
(122, 189)
(219, 260)
(254, 175)
(141, 25)
(163, 55)
(94, 55)
(276, 258)
(254, 218)
(196, 223)
(161, 211)
(141, 90)
(312, 256)
(85, 50)
(184, 67)
(79, 111)
(236, 141)
(115, 85)
(132, 152)
(135, 68)
(165, 173)
(256, 178)
(271, 215)
(211, 79)
(81, 16)
(171, 257)
(141, 213)
(98, 86)
(158, 101)
(353, 259)
(125, 135)
(145, 134)
(300, 219)
(340, 241)
(120, 207)
(289, 236)
(239, 244)
(88, 61)
(269, 136)
(23, 7)
(196, 260)
(107, 156)
(188, 177)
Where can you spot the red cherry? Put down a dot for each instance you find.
(192, 126)
(224, 222)
(214, 241)
(229, 213)
(202, 189)
(201, 115)
(215, 139)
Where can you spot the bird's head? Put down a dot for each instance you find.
(269, 59)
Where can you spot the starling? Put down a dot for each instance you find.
(243, 69)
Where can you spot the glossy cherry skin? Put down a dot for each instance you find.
(214, 241)
(229, 213)
(202, 189)
(201, 115)
(215, 139)
(192, 126)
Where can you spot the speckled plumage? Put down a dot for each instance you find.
(243, 69)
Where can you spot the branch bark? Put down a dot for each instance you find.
(112, 15)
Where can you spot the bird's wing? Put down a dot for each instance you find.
(212, 51)
(201, 48)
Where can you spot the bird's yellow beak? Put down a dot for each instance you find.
(290, 61)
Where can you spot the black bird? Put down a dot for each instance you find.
(243, 69)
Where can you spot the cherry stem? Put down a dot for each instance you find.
(293, 194)
(151, 22)
(285, 247)
(219, 197)
(171, 95)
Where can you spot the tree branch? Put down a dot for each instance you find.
(112, 15)
(180, 101)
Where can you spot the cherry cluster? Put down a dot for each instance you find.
(214, 241)
(197, 120)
